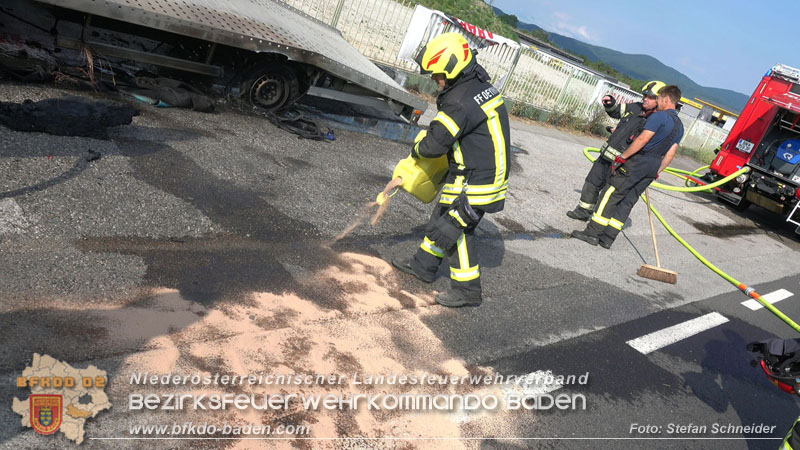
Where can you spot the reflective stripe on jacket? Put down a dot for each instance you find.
(472, 128)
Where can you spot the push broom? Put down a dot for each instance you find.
(648, 271)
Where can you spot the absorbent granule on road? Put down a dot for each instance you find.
(364, 212)
(379, 330)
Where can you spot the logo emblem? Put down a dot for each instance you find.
(788, 156)
(45, 411)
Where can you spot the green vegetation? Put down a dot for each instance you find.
(602, 67)
(510, 20)
(563, 118)
(475, 12)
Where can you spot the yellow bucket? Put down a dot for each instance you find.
(421, 177)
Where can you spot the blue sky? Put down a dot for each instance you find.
(724, 44)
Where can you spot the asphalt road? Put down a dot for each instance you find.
(205, 243)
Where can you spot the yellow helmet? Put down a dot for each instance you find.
(448, 53)
(652, 88)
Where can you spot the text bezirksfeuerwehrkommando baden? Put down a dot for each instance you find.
(519, 397)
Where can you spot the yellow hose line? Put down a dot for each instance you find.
(675, 172)
(750, 292)
(743, 287)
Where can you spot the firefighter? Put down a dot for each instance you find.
(634, 169)
(780, 361)
(472, 129)
(632, 118)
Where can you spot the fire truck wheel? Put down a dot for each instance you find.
(272, 87)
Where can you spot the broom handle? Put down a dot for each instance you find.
(652, 227)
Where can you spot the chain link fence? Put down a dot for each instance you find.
(537, 83)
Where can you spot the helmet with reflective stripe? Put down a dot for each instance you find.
(652, 88)
(448, 54)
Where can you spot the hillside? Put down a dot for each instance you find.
(643, 67)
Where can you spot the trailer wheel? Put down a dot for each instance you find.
(272, 87)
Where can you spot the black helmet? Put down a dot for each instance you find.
(780, 361)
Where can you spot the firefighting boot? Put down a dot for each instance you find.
(455, 300)
(585, 237)
(404, 265)
(579, 213)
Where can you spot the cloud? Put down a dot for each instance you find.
(561, 16)
(562, 24)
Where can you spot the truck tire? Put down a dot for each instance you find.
(272, 86)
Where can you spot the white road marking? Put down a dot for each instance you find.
(659, 339)
(772, 297)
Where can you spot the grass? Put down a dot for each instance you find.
(561, 118)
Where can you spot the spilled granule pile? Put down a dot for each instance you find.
(378, 329)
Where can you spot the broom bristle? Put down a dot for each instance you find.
(658, 274)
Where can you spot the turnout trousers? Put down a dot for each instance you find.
(792, 440)
(595, 180)
(619, 196)
(465, 272)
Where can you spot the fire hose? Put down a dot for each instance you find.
(689, 177)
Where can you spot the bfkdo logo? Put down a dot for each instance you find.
(62, 398)
(46, 412)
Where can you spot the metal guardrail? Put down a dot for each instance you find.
(528, 77)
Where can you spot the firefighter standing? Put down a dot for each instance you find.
(472, 128)
(633, 170)
(632, 119)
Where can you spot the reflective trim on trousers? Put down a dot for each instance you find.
(599, 219)
(465, 274)
(616, 224)
(604, 201)
(585, 205)
(430, 247)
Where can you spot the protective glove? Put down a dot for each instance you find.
(445, 231)
(609, 101)
(618, 161)
(448, 228)
(420, 136)
(463, 211)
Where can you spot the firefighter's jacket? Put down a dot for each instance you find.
(632, 119)
(472, 129)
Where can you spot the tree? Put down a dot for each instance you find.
(510, 20)
(541, 35)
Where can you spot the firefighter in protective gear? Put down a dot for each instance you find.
(633, 170)
(779, 359)
(472, 129)
(632, 119)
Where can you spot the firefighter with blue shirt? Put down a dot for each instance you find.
(472, 129)
(634, 169)
(632, 119)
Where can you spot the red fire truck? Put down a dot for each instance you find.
(766, 138)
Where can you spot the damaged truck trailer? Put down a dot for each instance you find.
(267, 52)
